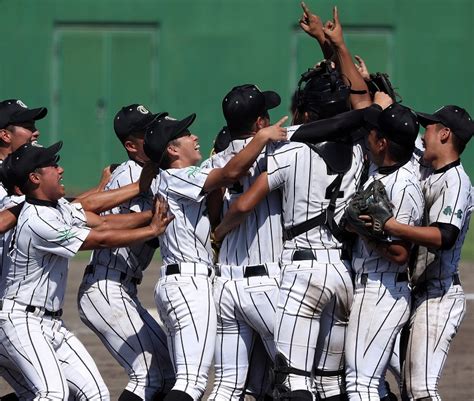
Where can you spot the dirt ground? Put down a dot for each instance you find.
(456, 383)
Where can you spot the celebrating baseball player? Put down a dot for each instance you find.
(49, 231)
(246, 283)
(109, 287)
(438, 299)
(183, 294)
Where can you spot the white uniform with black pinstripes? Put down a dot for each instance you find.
(245, 306)
(439, 303)
(315, 295)
(49, 356)
(184, 299)
(7, 369)
(381, 305)
(133, 338)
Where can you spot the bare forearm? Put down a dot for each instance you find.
(98, 202)
(241, 163)
(231, 220)
(348, 68)
(9, 217)
(425, 236)
(117, 238)
(125, 221)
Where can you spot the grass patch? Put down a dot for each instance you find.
(467, 254)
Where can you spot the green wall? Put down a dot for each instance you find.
(85, 58)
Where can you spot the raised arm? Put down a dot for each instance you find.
(313, 26)
(243, 206)
(333, 32)
(241, 163)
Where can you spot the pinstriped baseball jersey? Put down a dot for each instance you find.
(44, 239)
(404, 191)
(302, 175)
(258, 239)
(449, 199)
(135, 258)
(186, 238)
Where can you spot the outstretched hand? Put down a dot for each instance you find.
(333, 30)
(362, 68)
(274, 132)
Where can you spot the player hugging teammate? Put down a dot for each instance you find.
(338, 247)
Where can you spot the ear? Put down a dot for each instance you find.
(172, 150)
(5, 135)
(34, 178)
(382, 144)
(130, 146)
(306, 116)
(445, 134)
(261, 123)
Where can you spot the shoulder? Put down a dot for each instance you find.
(126, 173)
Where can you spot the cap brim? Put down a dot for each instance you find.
(272, 99)
(50, 153)
(147, 122)
(29, 115)
(426, 119)
(183, 125)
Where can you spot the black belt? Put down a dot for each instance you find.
(456, 279)
(401, 277)
(255, 270)
(33, 309)
(123, 276)
(173, 268)
(304, 254)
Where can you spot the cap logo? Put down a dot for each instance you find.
(142, 109)
(20, 103)
(36, 144)
(441, 108)
(170, 118)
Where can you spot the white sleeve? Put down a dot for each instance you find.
(185, 182)
(59, 238)
(408, 203)
(453, 204)
(278, 164)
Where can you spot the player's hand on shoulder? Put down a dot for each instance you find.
(274, 132)
(161, 215)
(149, 172)
(382, 99)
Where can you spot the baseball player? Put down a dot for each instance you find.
(381, 304)
(183, 293)
(316, 288)
(438, 299)
(109, 287)
(49, 231)
(246, 283)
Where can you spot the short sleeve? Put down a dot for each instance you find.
(60, 238)
(278, 164)
(185, 182)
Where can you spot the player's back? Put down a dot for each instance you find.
(258, 239)
(303, 176)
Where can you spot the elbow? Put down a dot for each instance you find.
(400, 259)
(241, 208)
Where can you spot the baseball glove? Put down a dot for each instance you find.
(372, 201)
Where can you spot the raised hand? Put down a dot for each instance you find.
(333, 30)
(274, 132)
(362, 68)
(311, 23)
(382, 99)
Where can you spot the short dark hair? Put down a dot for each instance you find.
(458, 144)
(165, 159)
(398, 153)
(245, 126)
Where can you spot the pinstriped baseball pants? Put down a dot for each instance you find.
(313, 308)
(437, 314)
(187, 309)
(50, 358)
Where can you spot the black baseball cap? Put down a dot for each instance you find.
(163, 130)
(246, 102)
(23, 161)
(454, 117)
(132, 119)
(14, 111)
(397, 123)
(222, 140)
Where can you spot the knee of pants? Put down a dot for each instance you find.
(93, 391)
(53, 394)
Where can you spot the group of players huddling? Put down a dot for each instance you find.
(262, 275)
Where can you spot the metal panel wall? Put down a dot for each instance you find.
(200, 49)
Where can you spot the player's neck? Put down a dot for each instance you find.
(444, 158)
